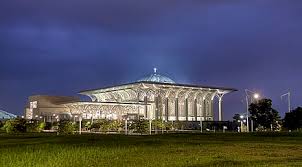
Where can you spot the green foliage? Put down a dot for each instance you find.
(115, 125)
(178, 125)
(293, 120)
(87, 125)
(17, 125)
(104, 125)
(96, 125)
(264, 116)
(41, 126)
(48, 125)
(1, 124)
(158, 124)
(35, 126)
(140, 126)
(66, 127)
(169, 125)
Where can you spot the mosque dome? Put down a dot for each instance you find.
(6, 115)
(155, 77)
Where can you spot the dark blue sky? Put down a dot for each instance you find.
(62, 47)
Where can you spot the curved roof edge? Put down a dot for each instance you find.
(168, 84)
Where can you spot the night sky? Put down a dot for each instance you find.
(63, 47)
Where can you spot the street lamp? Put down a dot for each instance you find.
(255, 96)
(288, 100)
(241, 122)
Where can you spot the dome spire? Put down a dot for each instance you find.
(155, 70)
(155, 77)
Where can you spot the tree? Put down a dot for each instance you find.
(293, 120)
(264, 116)
(17, 125)
(236, 118)
(66, 127)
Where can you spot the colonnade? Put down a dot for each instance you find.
(168, 103)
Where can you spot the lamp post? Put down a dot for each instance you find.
(126, 125)
(255, 96)
(241, 123)
(80, 124)
(288, 100)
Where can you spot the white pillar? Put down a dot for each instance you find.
(220, 106)
(146, 107)
(80, 124)
(167, 109)
(150, 126)
(220, 109)
(176, 109)
(201, 125)
(187, 108)
(126, 126)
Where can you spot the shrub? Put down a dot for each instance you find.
(35, 126)
(87, 125)
(66, 127)
(1, 124)
(17, 125)
(178, 125)
(105, 125)
(159, 124)
(140, 126)
(115, 125)
(169, 125)
(48, 126)
(96, 126)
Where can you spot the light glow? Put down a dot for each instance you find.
(256, 96)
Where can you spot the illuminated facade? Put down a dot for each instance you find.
(153, 97)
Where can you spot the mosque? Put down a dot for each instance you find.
(153, 97)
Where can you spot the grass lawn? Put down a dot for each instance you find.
(232, 149)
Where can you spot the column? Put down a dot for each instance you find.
(212, 109)
(138, 106)
(205, 108)
(187, 108)
(220, 107)
(156, 108)
(176, 109)
(156, 111)
(195, 109)
(80, 124)
(167, 109)
(146, 107)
